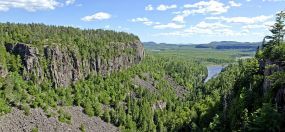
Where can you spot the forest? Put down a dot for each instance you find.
(163, 92)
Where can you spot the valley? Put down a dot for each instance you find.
(58, 78)
(208, 56)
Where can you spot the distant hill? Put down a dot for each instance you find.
(230, 45)
(219, 45)
(164, 46)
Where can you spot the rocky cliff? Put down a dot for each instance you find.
(65, 65)
(3, 68)
(270, 67)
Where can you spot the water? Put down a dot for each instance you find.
(213, 71)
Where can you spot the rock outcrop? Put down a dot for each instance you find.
(65, 65)
(180, 91)
(270, 67)
(3, 68)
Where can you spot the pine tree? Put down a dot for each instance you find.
(277, 31)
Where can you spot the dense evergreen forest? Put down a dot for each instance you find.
(249, 96)
(85, 41)
(138, 98)
(160, 93)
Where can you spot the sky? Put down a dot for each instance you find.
(168, 21)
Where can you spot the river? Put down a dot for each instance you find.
(213, 71)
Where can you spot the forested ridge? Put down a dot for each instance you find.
(249, 96)
(140, 97)
(63, 55)
(145, 92)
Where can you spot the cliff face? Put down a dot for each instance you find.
(269, 68)
(3, 68)
(64, 65)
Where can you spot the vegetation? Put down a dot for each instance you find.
(235, 100)
(84, 41)
(206, 56)
(115, 98)
(240, 99)
(82, 128)
(64, 117)
(35, 129)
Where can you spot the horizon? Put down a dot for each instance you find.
(147, 65)
(178, 22)
(198, 43)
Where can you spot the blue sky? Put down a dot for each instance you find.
(170, 21)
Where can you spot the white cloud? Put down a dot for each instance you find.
(208, 32)
(217, 33)
(97, 16)
(216, 25)
(149, 8)
(264, 25)
(208, 7)
(234, 4)
(165, 7)
(248, 27)
(169, 25)
(29, 5)
(176, 12)
(181, 16)
(144, 20)
(176, 33)
(204, 28)
(218, 29)
(229, 32)
(212, 7)
(269, 23)
(69, 2)
(245, 20)
(207, 28)
(140, 19)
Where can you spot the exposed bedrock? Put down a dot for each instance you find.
(65, 65)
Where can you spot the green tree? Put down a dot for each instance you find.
(265, 119)
(277, 36)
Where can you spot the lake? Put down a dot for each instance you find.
(213, 71)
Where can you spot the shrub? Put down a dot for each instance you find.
(265, 119)
(35, 129)
(88, 110)
(4, 108)
(278, 52)
(26, 109)
(64, 117)
(97, 109)
(106, 116)
(82, 128)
